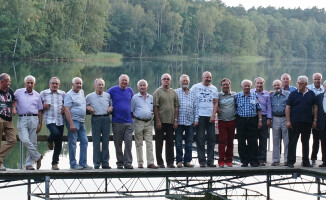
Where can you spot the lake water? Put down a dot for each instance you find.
(151, 70)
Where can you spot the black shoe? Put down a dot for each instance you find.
(202, 165)
(322, 165)
(106, 167)
(171, 166)
(254, 164)
(96, 167)
(306, 165)
(290, 165)
(129, 167)
(120, 167)
(161, 166)
(211, 165)
(313, 162)
(244, 165)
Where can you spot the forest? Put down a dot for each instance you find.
(66, 29)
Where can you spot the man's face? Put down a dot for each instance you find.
(166, 80)
(317, 80)
(6, 82)
(324, 86)
(277, 86)
(54, 85)
(184, 82)
(226, 87)
(99, 87)
(123, 82)
(29, 84)
(246, 87)
(77, 86)
(302, 85)
(286, 80)
(259, 84)
(142, 87)
(206, 78)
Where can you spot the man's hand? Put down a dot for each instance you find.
(175, 125)
(14, 111)
(195, 124)
(39, 126)
(212, 119)
(46, 106)
(288, 125)
(269, 124)
(158, 126)
(110, 110)
(260, 124)
(72, 128)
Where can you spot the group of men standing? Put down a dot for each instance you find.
(184, 111)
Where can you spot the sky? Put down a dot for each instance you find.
(277, 3)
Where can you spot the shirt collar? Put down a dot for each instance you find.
(142, 95)
(242, 94)
(25, 91)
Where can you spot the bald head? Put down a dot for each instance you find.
(206, 78)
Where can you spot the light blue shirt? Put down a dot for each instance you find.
(315, 90)
(142, 108)
(77, 104)
(100, 103)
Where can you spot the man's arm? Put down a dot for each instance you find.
(176, 117)
(39, 126)
(287, 114)
(158, 124)
(215, 108)
(68, 117)
(260, 119)
(314, 125)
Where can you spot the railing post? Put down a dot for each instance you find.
(167, 185)
(47, 187)
(21, 154)
(29, 189)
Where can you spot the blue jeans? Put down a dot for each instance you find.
(100, 133)
(79, 134)
(189, 134)
(204, 126)
(56, 133)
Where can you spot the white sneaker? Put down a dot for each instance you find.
(179, 164)
(87, 167)
(2, 168)
(188, 164)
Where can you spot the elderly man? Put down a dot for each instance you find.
(185, 123)
(142, 112)
(299, 120)
(278, 100)
(206, 104)
(7, 109)
(122, 124)
(286, 81)
(99, 105)
(53, 111)
(29, 109)
(321, 122)
(317, 89)
(75, 110)
(263, 133)
(227, 114)
(166, 104)
(248, 122)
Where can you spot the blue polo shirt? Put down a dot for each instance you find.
(121, 100)
(301, 106)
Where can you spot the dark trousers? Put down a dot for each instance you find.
(294, 133)
(322, 136)
(56, 134)
(247, 132)
(169, 144)
(204, 126)
(315, 144)
(262, 138)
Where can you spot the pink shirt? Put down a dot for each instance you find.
(28, 103)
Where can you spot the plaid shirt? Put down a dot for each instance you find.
(53, 114)
(187, 107)
(247, 106)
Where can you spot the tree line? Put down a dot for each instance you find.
(144, 28)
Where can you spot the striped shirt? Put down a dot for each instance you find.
(53, 114)
(247, 106)
(187, 107)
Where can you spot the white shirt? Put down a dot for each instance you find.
(53, 114)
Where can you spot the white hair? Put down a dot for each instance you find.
(3, 76)
(285, 75)
(50, 81)
(142, 80)
(75, 78)
(246, 80)
(29, 77)
(304, 78)
(120, 77)
(315, 74)
(260, 78)
(98, 79)
(164, 75)
(184, 75)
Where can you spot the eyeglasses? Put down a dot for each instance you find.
(165, 79)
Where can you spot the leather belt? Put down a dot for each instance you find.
(144, 120)
(23, 115)
(100, 115)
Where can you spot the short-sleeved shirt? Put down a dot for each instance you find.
(77, 104)
(121, 99)
(166, 101)
(226, 103)
(265, 102)
(28, 103)
(247, 106)
(204, 96)
(6, 99)
(187, 107)
(55, 99)
(301, 106)
(142, 108)
(100, 103)
(278, 101)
